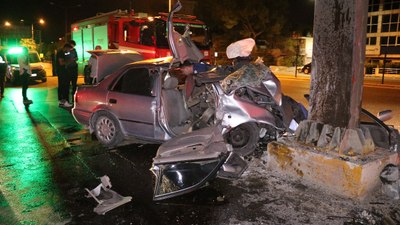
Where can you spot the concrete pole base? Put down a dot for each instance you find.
(353, 177)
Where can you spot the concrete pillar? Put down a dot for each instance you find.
(338, 61)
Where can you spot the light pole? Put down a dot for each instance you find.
(42, 23)
(296, 37)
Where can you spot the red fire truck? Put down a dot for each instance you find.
(139, 32)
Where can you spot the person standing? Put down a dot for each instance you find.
(24, 72)
(63, 79)
(92, 64)
(3, 72)
(72, 66)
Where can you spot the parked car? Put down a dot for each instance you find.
(306, 68)
(37, 67)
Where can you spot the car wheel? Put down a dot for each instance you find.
(244, 138)
(107, 129)
(306, 71)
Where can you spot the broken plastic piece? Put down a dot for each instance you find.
(106, 198)
(391, 181)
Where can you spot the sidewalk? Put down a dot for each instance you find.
(390, 80)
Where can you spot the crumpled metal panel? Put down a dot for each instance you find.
(257, 76)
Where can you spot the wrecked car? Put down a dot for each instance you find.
(203, 136)
(141, 102)
(384, 136)
(247, 106)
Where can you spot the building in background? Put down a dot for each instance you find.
(383, 36)
(383, 31)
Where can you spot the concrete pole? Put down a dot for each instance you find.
(338, 61)
(359, 33)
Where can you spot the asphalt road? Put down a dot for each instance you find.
(47, 159)
(376, 96)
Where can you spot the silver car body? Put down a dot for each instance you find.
(141, 100)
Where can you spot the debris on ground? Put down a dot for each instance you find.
(106, 198)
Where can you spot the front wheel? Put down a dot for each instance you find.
(244, 138)
(107, 129)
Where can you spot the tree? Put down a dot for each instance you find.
(236, 19)
(29, 43)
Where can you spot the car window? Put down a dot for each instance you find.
(135, 81)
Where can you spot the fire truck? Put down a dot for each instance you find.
(145, 34)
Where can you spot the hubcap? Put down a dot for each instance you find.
(105, 129)
(239, 138)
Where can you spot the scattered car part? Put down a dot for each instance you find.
(106, 198)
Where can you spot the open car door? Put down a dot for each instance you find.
(182, 47)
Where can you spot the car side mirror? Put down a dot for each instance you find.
(385, 115)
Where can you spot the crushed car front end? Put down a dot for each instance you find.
(188, 162)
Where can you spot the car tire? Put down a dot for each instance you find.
(244, 138)
(306, 71)
(107, 129)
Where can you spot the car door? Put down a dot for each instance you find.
(132, 100)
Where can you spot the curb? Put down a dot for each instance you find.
(366, 84)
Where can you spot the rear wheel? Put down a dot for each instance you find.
(306, 71)
(244, 138)
(107, 129)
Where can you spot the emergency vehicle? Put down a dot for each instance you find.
(138, 32)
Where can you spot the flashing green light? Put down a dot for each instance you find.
(15, 50)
